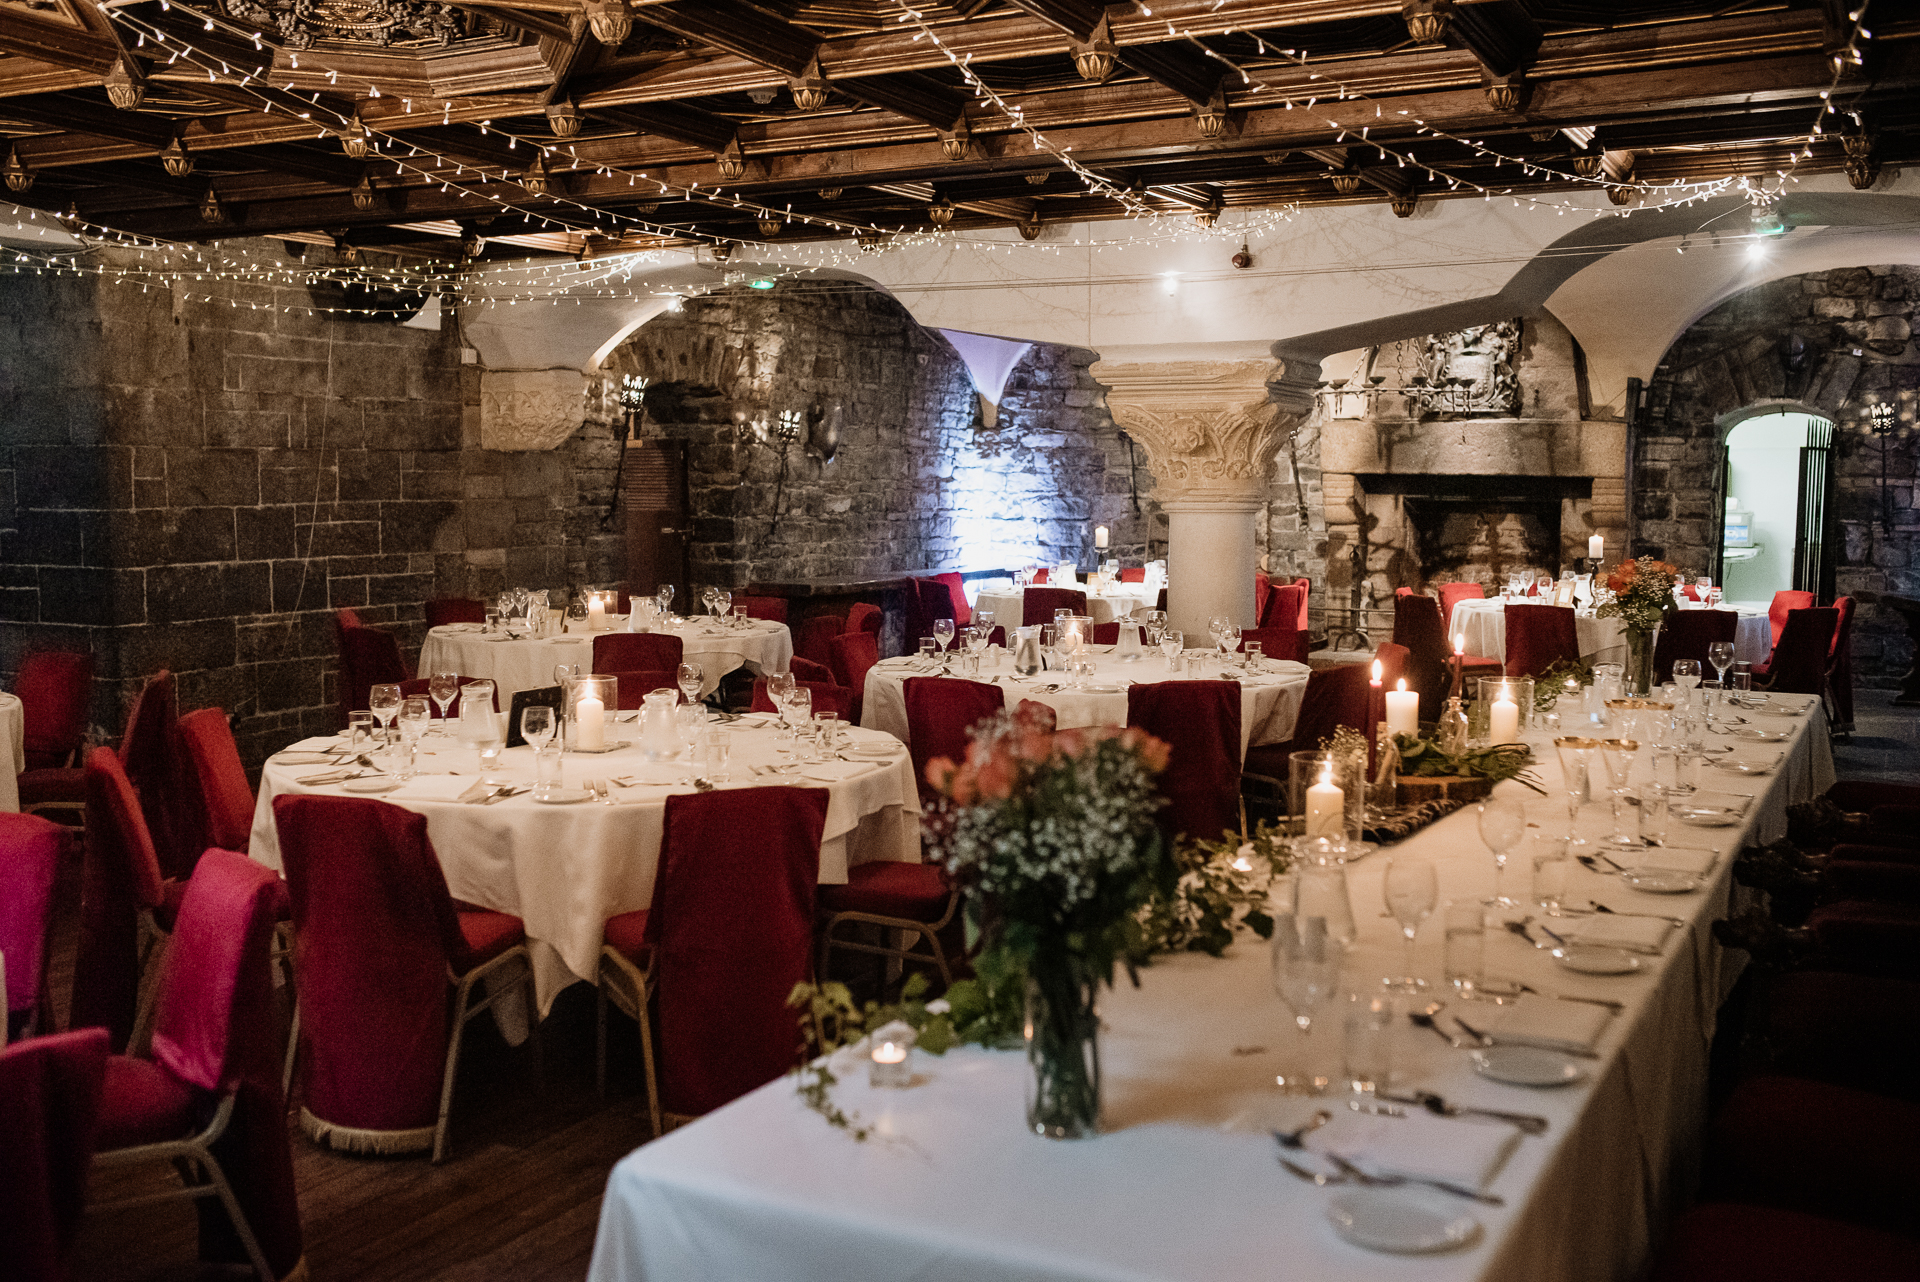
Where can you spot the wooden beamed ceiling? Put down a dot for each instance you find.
(708, 92)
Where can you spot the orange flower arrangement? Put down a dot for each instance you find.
(1642, 592)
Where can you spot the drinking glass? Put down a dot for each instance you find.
(665, 597)
(722, 602)
(1655, 806)
(779, 684)
(1543, 586)
(384, 702)
(983, 619)
(1171, 644)
(536, 726)
(1616, 755)
(565, 672)
(1306, 969)
(1050, 643)
(977, 638)
(829, 724)
(799, 703)
(927, 647)
(546, 774)
(943, 634)
(719, 744)
(1550, 869)
(1686, 675)
(1369, 1042)
(689, 677)
(1062, 616)
(1575, 754)
(1411, 889)
(442, 687)
(1465, 921)
(480, 729)
(492, 619)
(1503, 822)
(1720, 655)
(1229, 640)
(414, 715)
(1252, 657)
(360, 732)
(706, 598)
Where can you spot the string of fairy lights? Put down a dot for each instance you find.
(595, 278)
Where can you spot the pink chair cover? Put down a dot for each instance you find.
(1279, 643)
(1539, 636)
(368, 657)
(1038, 604)
(827, 697)
(864, 616)
(1133, 574)
(957, 595)
(1200, 721)
(1403, 591)
(31, 849)
(1840, 666)
(1451, 594)
(1039, 576)
(731, 932)
(54, 687)
(1262, 589)
(854, 654)
(455, 609)
(155, 761)
(940, 711)
(226, 799)
(1799, 664)
(1785, 601)
(1687, 634)
(1306, 588)
(637, 652)
(1284, 604)
(771, 608)
(121, 876)
(49, 1104)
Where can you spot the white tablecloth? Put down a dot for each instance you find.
(1269, 702)
(1484, 624)
(13, 750)
(528, 665)
(1007, 607)
(565, 869)
(1183, 1182)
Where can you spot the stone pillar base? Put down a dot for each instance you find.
(1210, 560)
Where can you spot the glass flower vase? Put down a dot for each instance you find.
(1639, 673)
(1063, 1052)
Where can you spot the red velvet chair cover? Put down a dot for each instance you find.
(637, 652)
(455, 609)
(940, 712)
(1687, 634)
(927, 600)
(375, 935)
(1429, 667)
(1732, 1242)
(1840, 666)
(864, 616)
(1279, 643)
(771, 608)
(215, 1030)
(30, 853)
(155, 761)
(827, 697)
(1334, 697)
(1038, 604)
(813, 639)
(368, 657)
(1133, 574)
(1262, 588)
(1539, 636)
(957, 596)
(53, 687)
(1283, 606)
(1799, 663)
(1451, 594)
(854, 654)
(730, 931)
(1200, 721)
(344, 619)
(809, 670)
(1785, 602)
(1038, 576)
(120, 879)
(49, 1103)
(1105, 634)
(634, 687)
(226, 799)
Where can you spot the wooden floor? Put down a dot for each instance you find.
(519, 1198)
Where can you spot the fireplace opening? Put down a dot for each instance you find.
(1480, 529)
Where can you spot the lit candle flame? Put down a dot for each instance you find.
(1401, 685)
(1378, 672)
(1459, 643)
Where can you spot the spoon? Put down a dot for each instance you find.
(1425, 1020)
(1520, 928)
(1297, 1138)
(1615, 912)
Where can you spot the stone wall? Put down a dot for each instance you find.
(1827, 343)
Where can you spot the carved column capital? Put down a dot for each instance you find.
(1210, 428)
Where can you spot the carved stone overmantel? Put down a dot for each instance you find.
(530, 409)
(1209, 428)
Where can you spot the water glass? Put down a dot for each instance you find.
(1550, 870)
(1253, 656)
(828, 724)
(1369, 1042)
(1465, 921)
(1655, 805)
(927, 645)
(1193, 666)
(1171, 644)
(360, 732)
(492, 621)
(719, 746)
(546, 773)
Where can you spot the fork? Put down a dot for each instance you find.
(1358, 1176)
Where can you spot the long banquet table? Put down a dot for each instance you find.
(1183, 1183)
(1269, 700)
(13, 749)
(526, 664)
(1483, 624)
(565, 869)
(1008, 605)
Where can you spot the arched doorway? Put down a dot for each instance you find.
(1777, 487)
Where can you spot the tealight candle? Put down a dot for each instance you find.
(1403, 710)
(892, 1056)
(1503, 720)
(590, 724)
(1326, 808)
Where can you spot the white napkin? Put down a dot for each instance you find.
(1613, 930)
(654, 774)
(1696, 863)
(432, 788)
(1442, 1148)
(835, 771)
(1548, 1022)
(305, 759)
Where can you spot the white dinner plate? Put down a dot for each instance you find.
(1734, 767)
(1706, 816)
(876, 751)
(1661, 881)
(1756, 733)
(1399, 1222)
(1527, 1066)
(1592, 959)
(1100, 690)
(563, 796)
(371, 783)
(306, 759)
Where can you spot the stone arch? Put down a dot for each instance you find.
(1762, 408)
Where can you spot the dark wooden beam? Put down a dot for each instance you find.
(739, 29)
(148, 132)
(681, 123)
(1178, 66)
(1499, 33)
(910, 94)
(55, 42)
(1077, 18)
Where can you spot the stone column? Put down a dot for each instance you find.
(1211, 430)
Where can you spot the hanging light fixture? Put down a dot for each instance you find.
(176, 158)
(940, 212)
(535, 179)
(363, 193)
(210, 207)
(124, 90)
(19, 177)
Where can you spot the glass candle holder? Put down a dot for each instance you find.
(891, 1056)
(1501, 711)
(590, 704)
(1326, 794)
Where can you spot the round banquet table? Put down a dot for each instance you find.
(514, 665)
(1484, 625)
(1269, 701)
(565, 869)
(13, 750)
(1104, 607)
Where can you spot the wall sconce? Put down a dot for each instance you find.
(1883, 420)
(789, 427)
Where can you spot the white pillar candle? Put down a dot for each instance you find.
(596, 613)
(1326, 808)
(590, 724)
(1503, 721)
(1403, 710)
(1596, 547)
(1100, 537)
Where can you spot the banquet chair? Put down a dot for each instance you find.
(864, 616)
(455, 609)
(380, 948)
(1799, 662)
(1732, 1242)
(728, 934)
(827, 697)
(1840, 667)
(1539, 636)
(1133, 574)
(1687, 634)
(1403, 592)
(637, 652)
(926, 601)
(1451, 594)
(368, 657)
(54, 687)
(49, 1109)
(805, 669)
(1262, 588)
(854, 654)
(1038, 576)
(1160, 601)
(127, 909)
(1279, 643)
(31, 849)
(208, 1101)
(813, 639)
(1105, 634)
(1200, 722)
(941, 711)
(1284, 605)
(1429, 665)
(1038, 604)
(634, 687)
(773, 609)
(1784, 603)
(957, 595)
(1334, 697)
(916, 900)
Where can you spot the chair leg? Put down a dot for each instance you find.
(600, 1037)
(293, 1051)
(218, 1178)
(533, 1032)
(646, 1063)
(455, 1036)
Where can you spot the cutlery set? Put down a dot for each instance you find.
(1348, 1173)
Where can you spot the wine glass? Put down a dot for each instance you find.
(383, 701)
(565, 672)
(442, 688)
(664, 597)
(799, 706)
(536, 726)
(706, 598)
(943, 633)
(778, 684)
(983, 619)
(1616, 755)
(1503, 822)
(1306, 968)
(1171, 644)
(1229, 640)
(1686, 675)
(722, 602)
(1412, 890)
(689, 676)
(1720, 655)
(415, 716)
